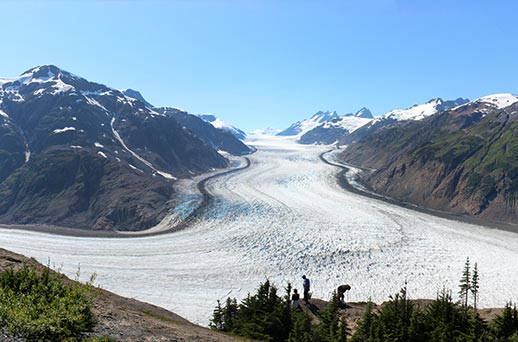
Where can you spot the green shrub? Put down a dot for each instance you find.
(41, 307)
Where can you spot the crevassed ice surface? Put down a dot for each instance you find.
(283, 217)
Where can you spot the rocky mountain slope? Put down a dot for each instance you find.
(463, 160)
(217, 138)
(414, 113)
(79, 154)
(211, 130)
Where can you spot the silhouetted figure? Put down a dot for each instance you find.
(295, 297)
(306, 284)
(340, 292)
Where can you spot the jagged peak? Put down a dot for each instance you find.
(135, 94)
(47, 71)
(364, 113)
(322, 116)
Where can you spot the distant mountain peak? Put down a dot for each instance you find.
(498, 101)
(435, 100)
(364, 113)
(208, 117)
(322, 116)
(220, 124)
(134, 94)
(47, 72)
(42, 70)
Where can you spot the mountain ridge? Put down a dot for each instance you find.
(78, 153)
(461, 160)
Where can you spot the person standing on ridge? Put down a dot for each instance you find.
(306, 285)
(295, 299)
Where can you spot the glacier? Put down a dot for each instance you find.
(282, 217)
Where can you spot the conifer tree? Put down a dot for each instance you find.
(393, 320)
(217, 318)
(302, 329)
(230, 312)
(465, 284)
(364, 327)
(475, 286)
(506, 324)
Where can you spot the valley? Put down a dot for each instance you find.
(284, 216)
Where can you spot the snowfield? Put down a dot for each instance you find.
(283, 217)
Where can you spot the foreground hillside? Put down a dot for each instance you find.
(462, 160)
(125, 319)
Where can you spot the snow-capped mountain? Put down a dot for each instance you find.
(495, 101)
(415, 113)
(218, 138)
(334, 130)
(362, 113)
(302, 127)
(462, 159)
(220, 124)
(81, 154)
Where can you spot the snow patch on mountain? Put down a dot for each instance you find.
(136, 95)
(220, 124)
(94, 102)
(133, 153)
(300, 128)
(64, 129)
(348, 123)
(498, 101)
(416, 112)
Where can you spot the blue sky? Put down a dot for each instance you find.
(266, 63)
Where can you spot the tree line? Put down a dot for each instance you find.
(268, 316)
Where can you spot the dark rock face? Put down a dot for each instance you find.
(463, 160)
(218, 139)
(79, 154)
(323, 135)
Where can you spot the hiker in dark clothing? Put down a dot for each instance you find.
(306, 285)
(295, 297)
(340, 292)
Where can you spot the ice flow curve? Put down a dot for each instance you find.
(282, 217)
